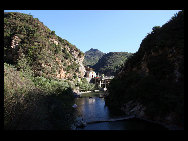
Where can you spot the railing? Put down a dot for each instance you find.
(106, 77)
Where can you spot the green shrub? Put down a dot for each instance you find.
(31, 105)
(84, 85)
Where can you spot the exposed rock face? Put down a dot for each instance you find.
(63, 74)
(137, 110)
(82, 69)
(53, 41)
(30, 42)
(134, 108)
(15, 41)
(79, 60)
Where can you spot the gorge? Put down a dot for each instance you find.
(43, 72)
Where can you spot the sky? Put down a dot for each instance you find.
(105, 30)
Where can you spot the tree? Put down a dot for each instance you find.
(155, 28)
(53, 32)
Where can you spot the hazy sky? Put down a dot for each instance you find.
(106, 30)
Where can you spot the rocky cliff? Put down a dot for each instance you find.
(40, 73)
(29, 44)
(151, 84)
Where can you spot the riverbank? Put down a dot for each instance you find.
(168, 126)
(96, 115)
(92, 98)
(112, 119)
(92, 94)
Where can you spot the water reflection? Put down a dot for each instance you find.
(94, 109)
(91, 100)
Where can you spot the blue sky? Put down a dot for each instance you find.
(106, 30)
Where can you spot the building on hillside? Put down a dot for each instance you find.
(90, 73)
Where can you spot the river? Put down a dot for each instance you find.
(99, 117)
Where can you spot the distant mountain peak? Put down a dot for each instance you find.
(109, 63)
(92, 49)
(92, 56)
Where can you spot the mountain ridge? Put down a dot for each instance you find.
(92, 56)
(27, 39)
(111, 62)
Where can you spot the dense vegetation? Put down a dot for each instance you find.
(36, 102)
(111, 62)
(92, 56)
(41, 70)
(154, 75)
(30, 45)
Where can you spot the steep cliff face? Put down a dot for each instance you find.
(29, 44)
(151, 84)
(162, 50)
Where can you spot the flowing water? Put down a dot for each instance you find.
(99, 117)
